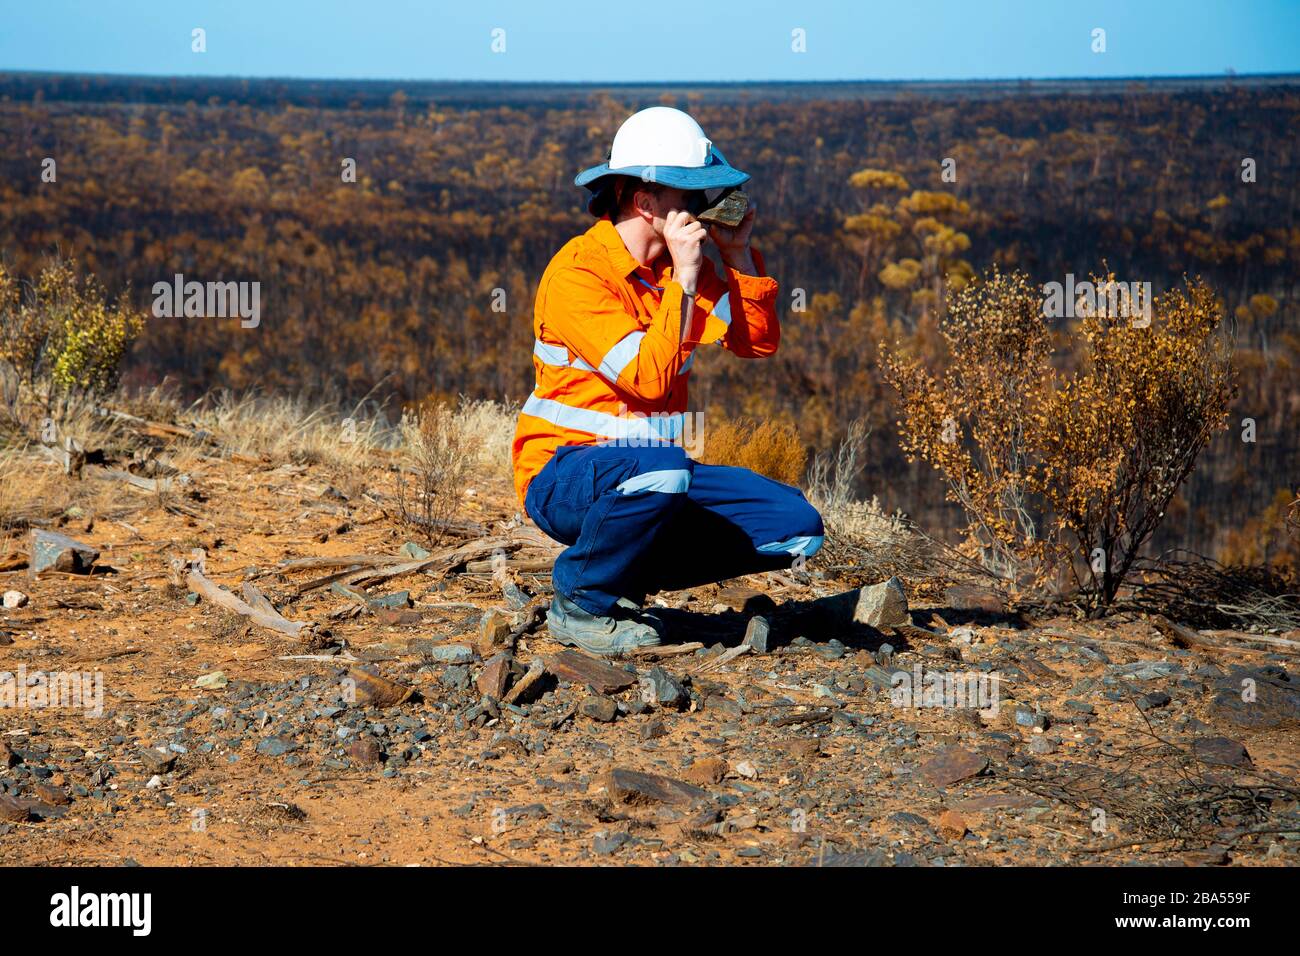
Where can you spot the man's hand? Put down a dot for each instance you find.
(684, 235)
(733, 243)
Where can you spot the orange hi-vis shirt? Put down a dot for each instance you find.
(610, 360)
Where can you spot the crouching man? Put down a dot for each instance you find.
(598, 457)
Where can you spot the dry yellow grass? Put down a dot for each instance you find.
(492, 424)
(290, 428)
(354, 448)
(770, 448)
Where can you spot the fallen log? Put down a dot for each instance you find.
(156, 429)
(444, 560)
(335, 561)
(1184, 637)
(264, 614)
(1188, 639)
(1247, 636)
(256, 599)
(178, 483)
(13, 561)
(527, 565)
(665, 650)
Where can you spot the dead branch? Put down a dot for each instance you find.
(263, 614)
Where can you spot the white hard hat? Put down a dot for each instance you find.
(659, 136)
(663, 145)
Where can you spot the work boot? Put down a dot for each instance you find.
(630, 608)
(595, 634)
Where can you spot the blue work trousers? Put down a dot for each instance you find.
(643, 519)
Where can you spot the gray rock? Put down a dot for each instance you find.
(1027, 718)
(716, 703)
(1153, 700)
(1146, 670)
(832, 650)
(451, 653)
(156, 761)
(397, 599)
(412, 550)
(653, 729)
(1222, 751)
(604, 844)
(597, 707)
(758, 634)
(909, 819)
(1256, 698)
(667, 690)
(883, 605)
(53, 551)
(456, 677)
(852, 858)
(275, 746)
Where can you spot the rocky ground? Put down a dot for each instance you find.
(426, 717)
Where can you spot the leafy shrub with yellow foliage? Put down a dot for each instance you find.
(925, 224)
(1066, 463)
(65, 335)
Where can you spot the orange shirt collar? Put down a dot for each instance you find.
(623, 261)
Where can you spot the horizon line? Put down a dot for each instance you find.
(667, 84)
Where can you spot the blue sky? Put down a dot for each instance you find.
(662, 41)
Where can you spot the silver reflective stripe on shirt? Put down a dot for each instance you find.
(621, 355)
(647, 428)
(722, 311)
(558, 356)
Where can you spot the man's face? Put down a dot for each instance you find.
(670, 199)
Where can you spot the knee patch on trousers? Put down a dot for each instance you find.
(804, 545)
(669, 481)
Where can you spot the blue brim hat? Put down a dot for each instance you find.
(717, 173)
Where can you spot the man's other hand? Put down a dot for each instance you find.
(733, 242)
(684, 235)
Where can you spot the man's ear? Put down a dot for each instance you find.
(646, 203)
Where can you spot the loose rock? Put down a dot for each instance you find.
(706, 771)
(1222, 751)
(580, 669)
(496, 674)
(758, 634)
(666, 690)
(952, 825)
(953, 765)
(374, 690)
(633, 787)
(598, 707)
(51, 551)
(365, 750)
(883, 605)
